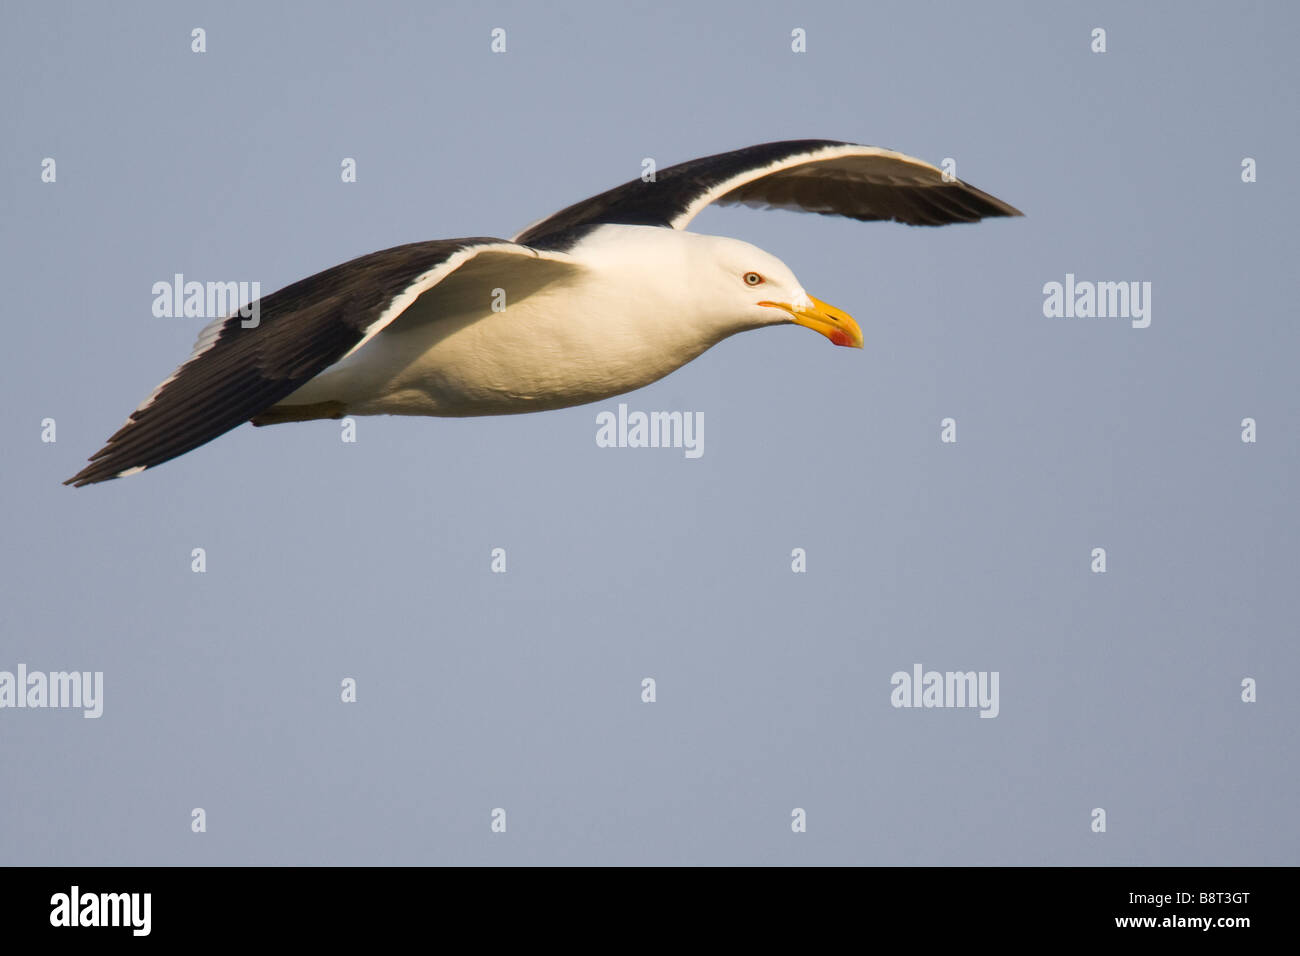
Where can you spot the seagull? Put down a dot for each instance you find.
(601, 298)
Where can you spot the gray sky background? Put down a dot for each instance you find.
(477, 690)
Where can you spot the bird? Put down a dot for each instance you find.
(603, 297)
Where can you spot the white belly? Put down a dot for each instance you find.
(566, 344)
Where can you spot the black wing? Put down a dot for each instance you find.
(236, 372)
(808, 175)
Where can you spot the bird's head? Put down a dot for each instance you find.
(765, 292)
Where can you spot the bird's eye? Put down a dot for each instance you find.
(753, 278)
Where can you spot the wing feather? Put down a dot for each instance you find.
(819, 176)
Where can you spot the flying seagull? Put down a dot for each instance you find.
(603, 297)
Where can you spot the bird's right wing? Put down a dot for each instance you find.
(235, 372)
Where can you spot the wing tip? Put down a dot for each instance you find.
(96, 472)
(1006, 211)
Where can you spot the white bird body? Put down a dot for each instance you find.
(616, 312)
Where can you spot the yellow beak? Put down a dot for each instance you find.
(837, 326)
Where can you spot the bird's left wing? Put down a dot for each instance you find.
(808, 175)
(235, 371)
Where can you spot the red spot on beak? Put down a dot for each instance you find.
(840, 338)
